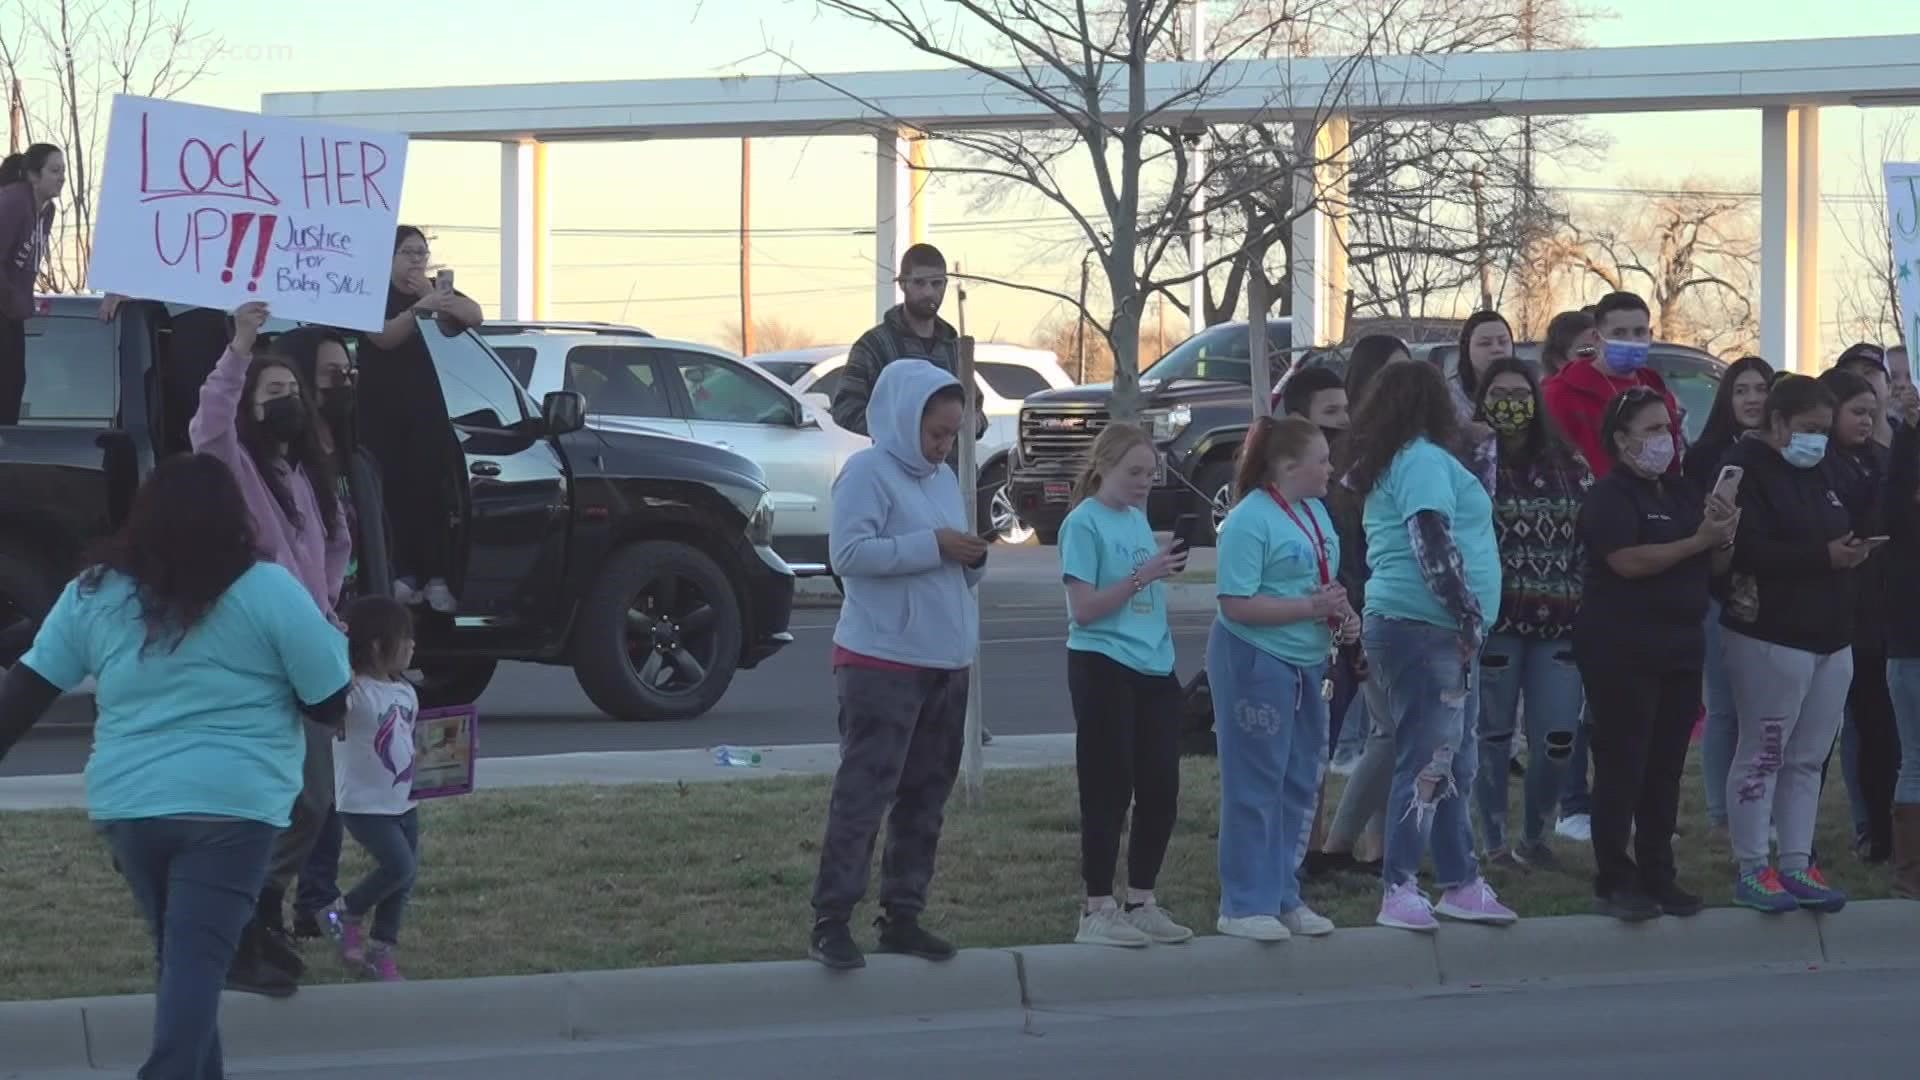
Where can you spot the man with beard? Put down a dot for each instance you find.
(911, 328)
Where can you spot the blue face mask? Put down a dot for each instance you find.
(1627, 357)
(1804, 451)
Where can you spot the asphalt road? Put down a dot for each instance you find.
(1835, 1024)
(535, 709)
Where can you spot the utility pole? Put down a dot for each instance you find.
(1480, 239)
(960, 284)
(1196, 170)
(746, 245)
(1080, 324)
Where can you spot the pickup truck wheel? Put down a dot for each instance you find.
(27, 590)
(996, 516)
(451, 681)
(1216, 480)
(659, 635)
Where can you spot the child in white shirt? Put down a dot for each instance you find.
(373, 784)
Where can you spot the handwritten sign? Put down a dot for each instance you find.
(445, 743)
(1903, 227)
(214, 208)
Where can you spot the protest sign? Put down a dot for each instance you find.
(445, 743)
(214, 208)
(1903, 227)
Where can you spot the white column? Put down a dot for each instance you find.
(1807, 270)
(1196, 170)
(1780, 174)
(892, 216)
(516, 231)
(1317, 258)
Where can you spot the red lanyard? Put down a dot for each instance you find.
(1314, 535)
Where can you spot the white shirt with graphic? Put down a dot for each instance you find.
(373, 764)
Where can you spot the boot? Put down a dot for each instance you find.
(276, 945)
(1906, 850)
(251, 974)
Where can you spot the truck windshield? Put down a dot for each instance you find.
(1219, 354)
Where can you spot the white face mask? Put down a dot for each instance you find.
(1654, 455)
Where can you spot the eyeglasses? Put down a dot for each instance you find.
(414, 253)
(1633, 397)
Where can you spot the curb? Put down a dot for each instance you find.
(113, 1032)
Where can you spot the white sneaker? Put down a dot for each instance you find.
(439, 597)
(1153, 921)
(1303, 921)
(1109, 926)
(405, 594)
(1578, 827)
(1254, 928)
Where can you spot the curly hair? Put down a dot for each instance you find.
(1408, 400)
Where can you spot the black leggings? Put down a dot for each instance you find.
(1127, 751)
(415, 471)
(13, 368)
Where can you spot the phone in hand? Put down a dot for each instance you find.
(1185, 528)
(1728, 485)
(443, 281)
(1876, 541)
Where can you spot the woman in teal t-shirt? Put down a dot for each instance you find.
(1126, 700)
(1280, 607)
(1435, 582)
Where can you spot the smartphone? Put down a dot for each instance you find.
(1876, 541)
(443, 281)
(1184, 529)
(1728, 485)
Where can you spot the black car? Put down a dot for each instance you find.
(642, 561)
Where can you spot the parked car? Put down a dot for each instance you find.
(634, 381)
(641, 560)
(1006, 375)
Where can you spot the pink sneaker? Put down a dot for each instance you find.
(1475, 902)
(1406, 908)
(380, 963)
(353, 941)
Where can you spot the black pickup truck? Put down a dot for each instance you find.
(641, 561)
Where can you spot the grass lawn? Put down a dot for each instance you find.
(582, 878)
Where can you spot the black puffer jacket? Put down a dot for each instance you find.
(1783, 588)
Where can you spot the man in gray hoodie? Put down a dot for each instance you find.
(908, 633)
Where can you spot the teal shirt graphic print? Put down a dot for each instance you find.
(1103, 547)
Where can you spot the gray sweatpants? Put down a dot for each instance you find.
(310, 810)
(901, 733)
(1789, 704)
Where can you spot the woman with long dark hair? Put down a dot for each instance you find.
(29, 182)
(404, 411)
(1572, 338)
(1540, 485)
(1484, 338)
(206, 654)
(1435, 583)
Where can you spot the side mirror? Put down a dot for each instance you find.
(818, 401)
(565, 411)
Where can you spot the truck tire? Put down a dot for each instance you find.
(453, 680)
(659, 635)
(27, 591)
(1214, 478)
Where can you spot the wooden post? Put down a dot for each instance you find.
(746, 244)
(1080, 326)
(971, 759)
(1257, 343)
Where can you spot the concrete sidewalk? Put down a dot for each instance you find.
(608, 768)
(559, 1009)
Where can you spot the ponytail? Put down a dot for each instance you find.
(1270, 441)
(15, 168)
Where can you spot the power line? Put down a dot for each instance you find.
(710, 296)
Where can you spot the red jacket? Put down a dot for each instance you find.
(1577, 398)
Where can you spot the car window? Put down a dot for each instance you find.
(519, 360)
(1219, 354)
(478, 390)
(1011, 381)
(726, 392)
(787, 371)
(828, 384)
(1693, 384)
(618, 381)
(70, 373)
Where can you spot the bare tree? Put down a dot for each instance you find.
(1869, 296)
(1692, 253)
(1086, 68)
(65, 60)
(770, 334)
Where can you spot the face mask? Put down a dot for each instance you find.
(285, 419)
(1804, 451)
(1627, 357)
(1654, 455)
(1510, 416)
(336, 406)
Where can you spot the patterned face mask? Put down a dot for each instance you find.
(1510, 416)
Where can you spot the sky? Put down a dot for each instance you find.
(646, 199)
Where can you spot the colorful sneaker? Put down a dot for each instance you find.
(352, 941)
(1153, 921)
(1810, 888)
(380, 963)
(1303, 921)
(1406, 908)
(1475, 902)
(1761, 890)
(1110, 926)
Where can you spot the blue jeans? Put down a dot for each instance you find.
(1723, 724)
(320, 877)
(1544, 674)
(196, 882)
(1271, 723)
(394, 842)
(1903, 681)
(1420, 670)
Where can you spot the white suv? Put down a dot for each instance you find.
(1005, 375)
(635, 381)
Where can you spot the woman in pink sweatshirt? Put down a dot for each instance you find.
(257, 416)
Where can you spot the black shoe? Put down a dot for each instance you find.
(1629, 907)
(306, 926)
(833, 946)
(277, 951)
(1322, 863)
(1676, 901)
(250, 974)
(904, 934)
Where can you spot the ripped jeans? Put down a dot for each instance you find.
(1535, 679)
(1435, 751)
(1789, 703)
